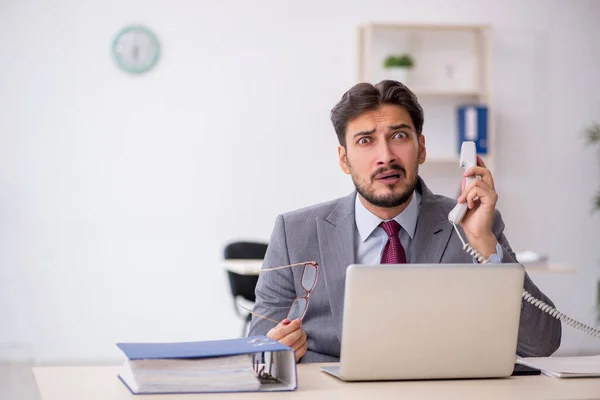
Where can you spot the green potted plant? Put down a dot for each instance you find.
(398, 66)
(593, 139)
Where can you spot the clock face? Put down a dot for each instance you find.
(136, 49)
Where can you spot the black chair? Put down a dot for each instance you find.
(242, 286)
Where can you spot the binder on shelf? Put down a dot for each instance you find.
(252, 364)
(473, 126)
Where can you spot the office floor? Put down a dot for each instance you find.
(17, 382)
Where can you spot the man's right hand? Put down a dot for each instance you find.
(290, 333)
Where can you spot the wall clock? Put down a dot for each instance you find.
(135, 49)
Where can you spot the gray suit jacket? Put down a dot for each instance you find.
(325, 233)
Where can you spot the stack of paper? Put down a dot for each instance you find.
(233, 373)
(209, 366)
(564, 367)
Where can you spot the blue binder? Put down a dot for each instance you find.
(268, 356)
(473, 126)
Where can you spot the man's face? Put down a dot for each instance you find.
(382, 155)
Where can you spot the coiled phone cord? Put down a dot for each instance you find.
(532, 300)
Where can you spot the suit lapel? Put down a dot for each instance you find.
(433, 230)
(336, 245)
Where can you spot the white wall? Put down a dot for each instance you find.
(117, 193)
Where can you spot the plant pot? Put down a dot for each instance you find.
(399, 74)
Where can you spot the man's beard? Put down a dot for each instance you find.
(390, 200)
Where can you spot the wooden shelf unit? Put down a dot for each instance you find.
(452, 68)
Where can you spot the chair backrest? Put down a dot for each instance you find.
(244, 285)
(245, 251)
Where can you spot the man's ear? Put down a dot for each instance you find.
(422, 150)
(343, 159)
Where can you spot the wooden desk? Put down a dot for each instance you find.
(243, 267)
(101, 383)
(251, 267)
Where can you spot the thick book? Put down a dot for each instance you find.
(251, 364)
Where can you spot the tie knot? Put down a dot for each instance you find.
(391, 227)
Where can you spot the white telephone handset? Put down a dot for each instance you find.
(468, 159)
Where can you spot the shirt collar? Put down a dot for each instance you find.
(367, 222)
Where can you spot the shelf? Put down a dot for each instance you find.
(447, 93)
(442, 160)
(417, 26)
(452, 69)
(452, 160)
(448, 58)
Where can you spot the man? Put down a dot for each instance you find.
(379, 129)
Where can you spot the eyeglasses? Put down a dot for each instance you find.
(310, 274)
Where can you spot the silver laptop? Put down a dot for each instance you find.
(429, 321)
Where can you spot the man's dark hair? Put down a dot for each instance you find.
(364, 97)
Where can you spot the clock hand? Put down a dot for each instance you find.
(135, 53)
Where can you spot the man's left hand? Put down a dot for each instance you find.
(481, 198)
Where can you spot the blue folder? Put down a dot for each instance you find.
(473, 126)
(191, 350)
(281, 358)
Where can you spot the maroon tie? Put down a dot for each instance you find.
(393, 252)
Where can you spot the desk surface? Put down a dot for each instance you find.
(251, 267)
(101, 383)
(243, 267)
